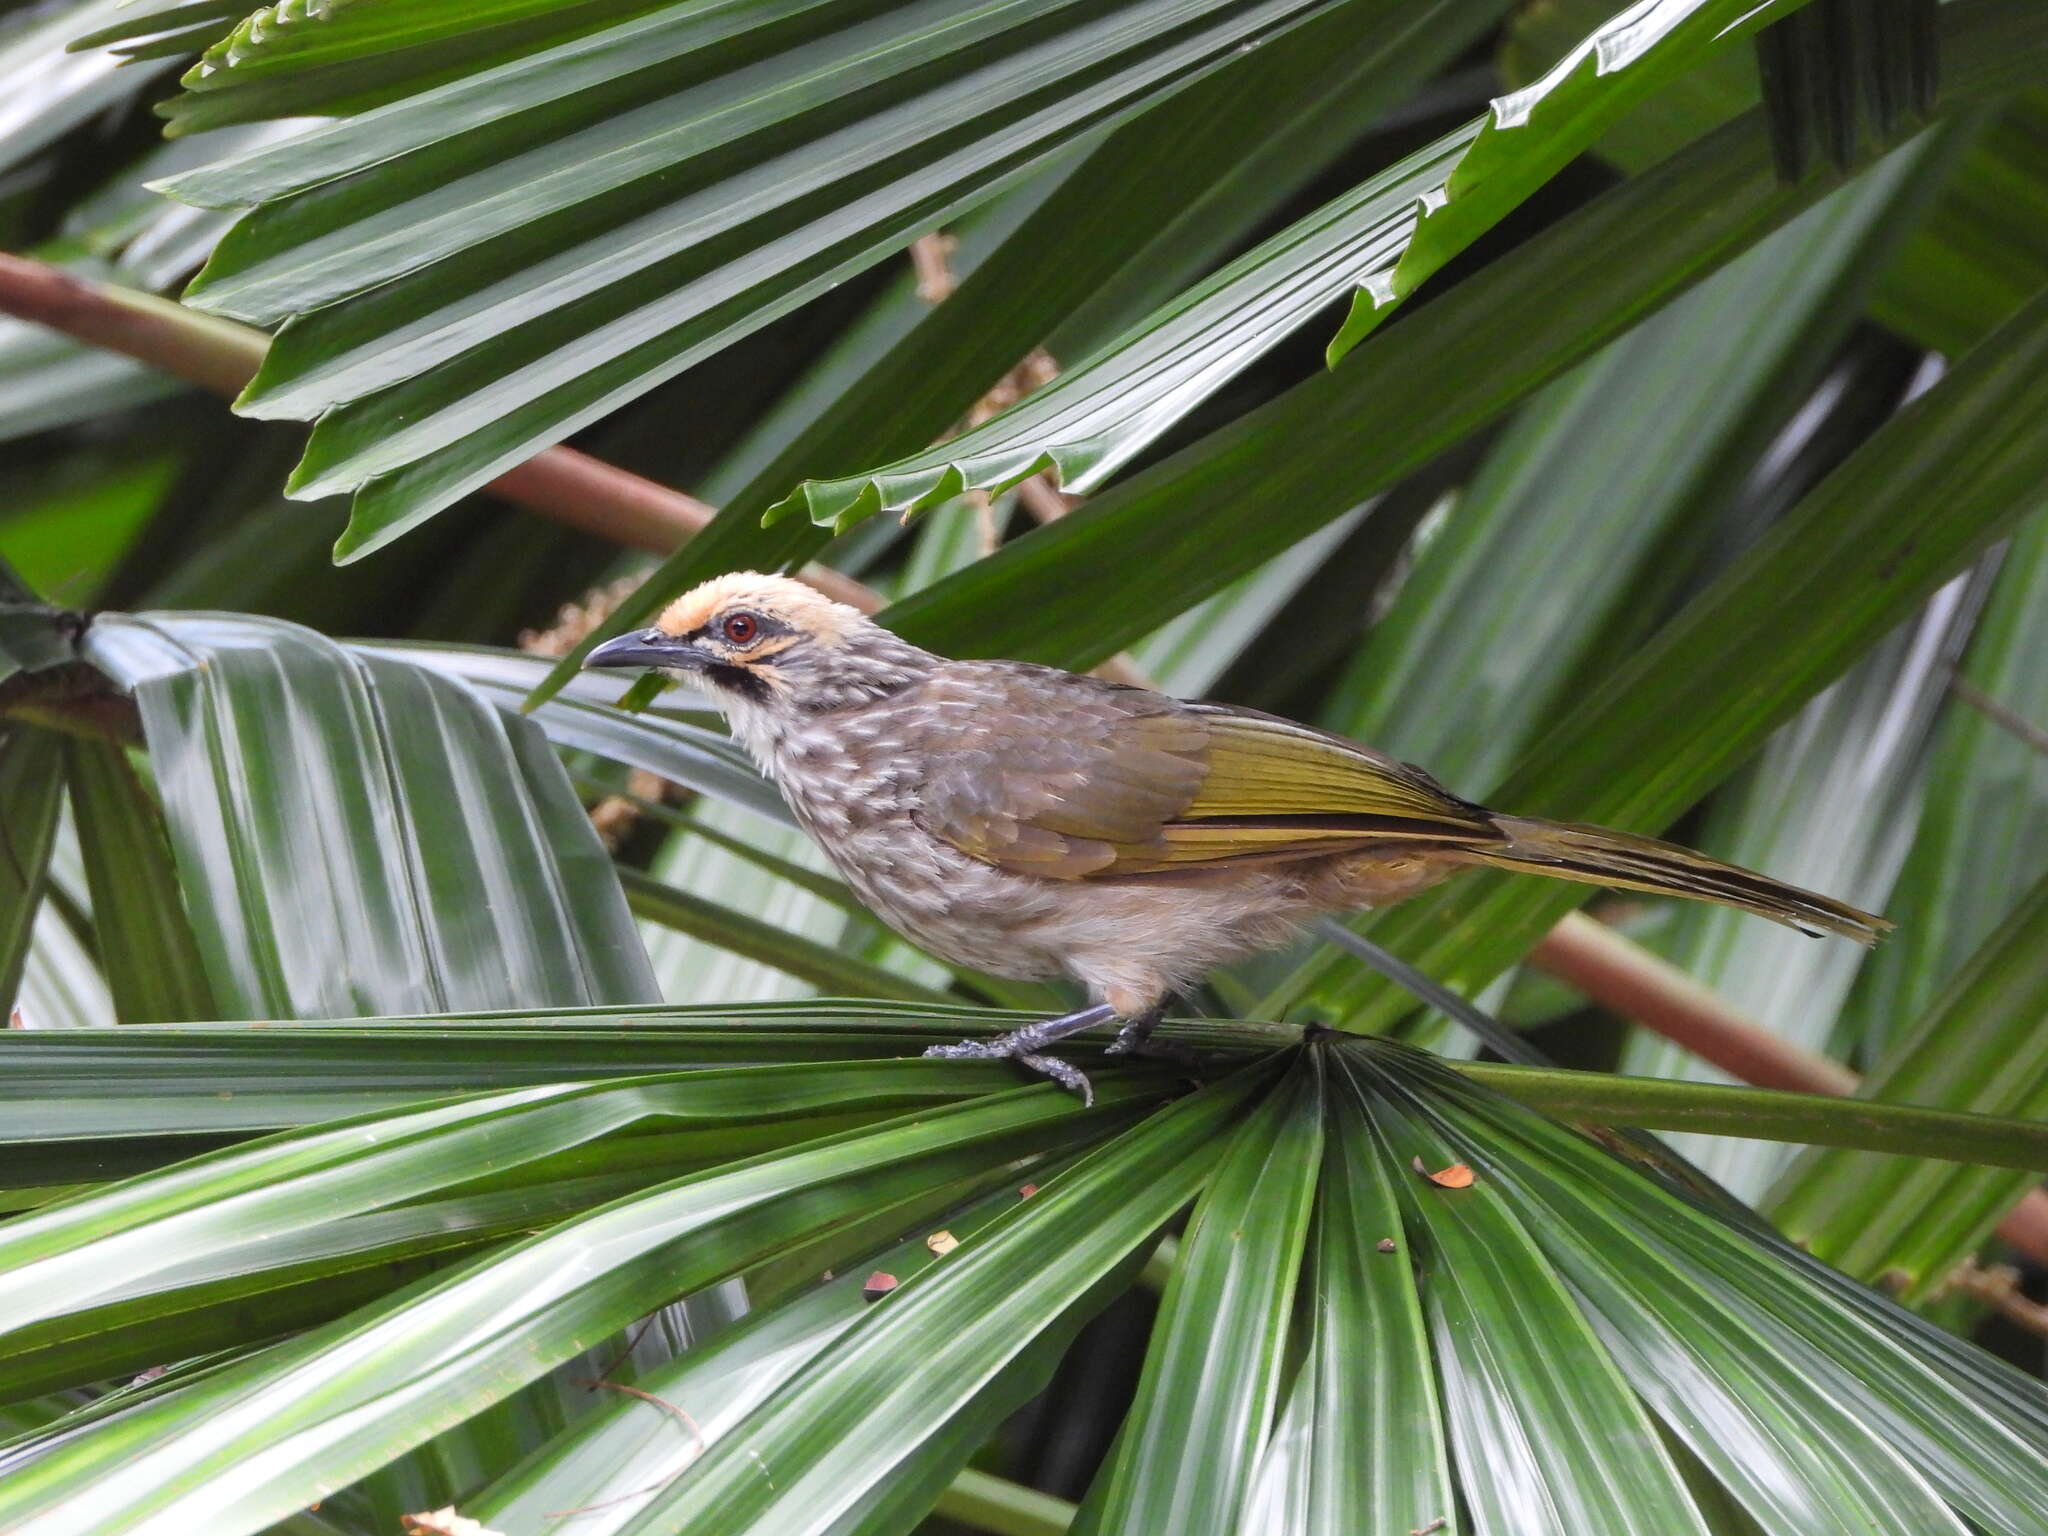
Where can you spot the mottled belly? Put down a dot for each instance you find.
(964, 912)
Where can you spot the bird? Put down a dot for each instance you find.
(1034, 823)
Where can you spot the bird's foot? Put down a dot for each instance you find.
(1009, 1048)
(1171, 1051)
(1065, 1073)
(1027, 1047)
(1135, 1039)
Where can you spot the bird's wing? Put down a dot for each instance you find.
(1044, 773)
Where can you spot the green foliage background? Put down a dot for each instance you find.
(1539, 392)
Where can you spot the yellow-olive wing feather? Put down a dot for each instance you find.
(1273, 789)
(1261, 765)
(1045, 773)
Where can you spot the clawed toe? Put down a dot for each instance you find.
(1010, 1047)
(1027, 1046)
(1065, 1073)
(1135, 1039)
(973, 1049)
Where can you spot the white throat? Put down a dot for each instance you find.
(757, 727)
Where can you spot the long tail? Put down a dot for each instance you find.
(1600, 857)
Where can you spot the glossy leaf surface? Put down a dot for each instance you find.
(1359, 1445)
(1597, 495)
(886, 1385)
(31, 796)
(425, 1349)
(1830, 804)
(481, 267)
(150, 956)
(1207, 1400)
(1978, 1047)
(1384, 237)
(1858, 554)
(268, 739)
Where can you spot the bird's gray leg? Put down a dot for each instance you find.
(1135, 1039)
(1027, 1047)
(1131, 1039)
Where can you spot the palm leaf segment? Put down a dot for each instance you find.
(1347, 1342)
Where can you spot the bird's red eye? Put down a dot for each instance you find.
(741, 628)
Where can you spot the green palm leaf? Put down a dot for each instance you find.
(1092, 420)
(1894, 1385)
(1782, 621)
(1207, 1400)
(464, 1171)
(31, 793)
(1979, 1046)
(874, 1396)
(1975, 261)
(614, 1463)
(1365, 1401)
(1530, 1396)
(333, 1201)
(454, 1213)
(1384, 238)
(768, 942)
(1320, 450)
(423, 1349)
(679, 741)
(634, 199)
(269, 740)
(1982, 838)
(1831, 803)
(1148, 211)
(149, 955)
(50, 93)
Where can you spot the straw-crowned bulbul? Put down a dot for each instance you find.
(1030, 822)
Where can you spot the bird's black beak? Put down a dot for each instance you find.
(649, 648)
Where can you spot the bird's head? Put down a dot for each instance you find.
(767, 647)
